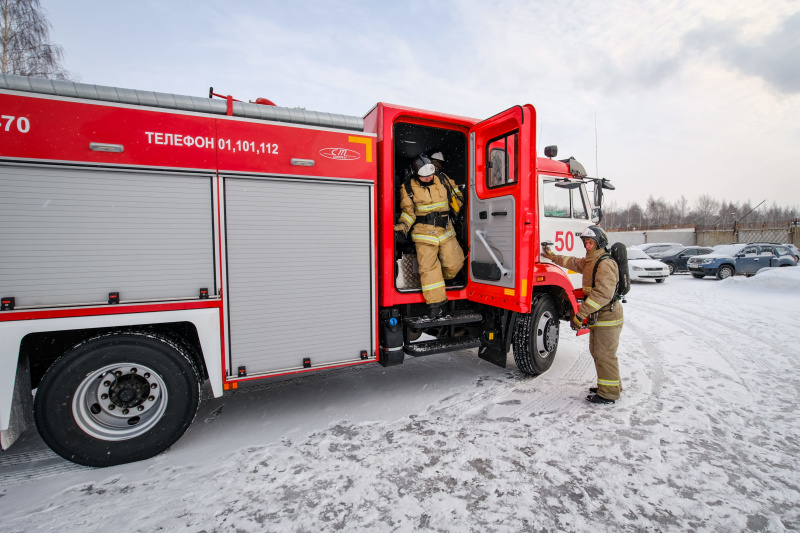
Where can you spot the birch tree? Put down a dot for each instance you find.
(25, 38)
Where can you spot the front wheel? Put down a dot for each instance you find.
(536, 337)
(117, 398)
(724, 271)
(671, 267)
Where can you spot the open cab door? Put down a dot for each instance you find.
(502, 168)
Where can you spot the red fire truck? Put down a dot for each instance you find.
(151, 242)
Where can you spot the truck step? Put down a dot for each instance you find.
(440, 346)
(449, 319)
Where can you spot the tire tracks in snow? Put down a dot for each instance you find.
(31, 466)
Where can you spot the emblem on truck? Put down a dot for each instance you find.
(342, 154)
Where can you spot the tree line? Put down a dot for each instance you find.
(705, 213)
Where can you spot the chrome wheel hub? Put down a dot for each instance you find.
(119, 402)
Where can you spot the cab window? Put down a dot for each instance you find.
(502, 160)
(556, 201)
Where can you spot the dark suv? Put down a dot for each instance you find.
(745, 259)
(677, 260)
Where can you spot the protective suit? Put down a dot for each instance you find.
(604, 333)
(425, 213)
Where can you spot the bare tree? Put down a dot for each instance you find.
(25, 37)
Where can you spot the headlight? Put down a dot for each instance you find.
(706, 261)
(637, 268)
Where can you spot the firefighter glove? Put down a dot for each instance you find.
(399, 236)
(546, 249)
(576, 323)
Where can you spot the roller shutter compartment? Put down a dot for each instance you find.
(299, 273)
(71, 236)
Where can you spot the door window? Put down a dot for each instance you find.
(690, 252)
(556, 200)
(502, 160)
(750, 251)
(766, 250)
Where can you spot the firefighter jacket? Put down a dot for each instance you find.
(597, 298)
(428, 198)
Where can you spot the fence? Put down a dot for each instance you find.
(708, 237)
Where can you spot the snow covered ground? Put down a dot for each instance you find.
(705, 438)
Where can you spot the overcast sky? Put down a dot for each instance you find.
(691, 97)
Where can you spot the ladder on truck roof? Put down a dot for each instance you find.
(180, 102)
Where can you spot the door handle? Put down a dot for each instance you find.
(499, 213)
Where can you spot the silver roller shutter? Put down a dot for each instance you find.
(299, 272)
(71, 236)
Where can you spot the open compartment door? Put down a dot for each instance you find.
(502, 160)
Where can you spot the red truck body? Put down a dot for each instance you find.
(295, 186)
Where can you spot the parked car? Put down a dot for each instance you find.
(794, 251)
(743, 258)
(657, 247)
(676, 260)
(641, 267)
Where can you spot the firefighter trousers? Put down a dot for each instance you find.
(603, 343)
(440, 257)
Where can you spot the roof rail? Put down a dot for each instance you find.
(179, 102)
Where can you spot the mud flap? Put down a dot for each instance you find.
(21, 406)
(498, 332)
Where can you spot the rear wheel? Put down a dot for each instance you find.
(117, 398)
(536, 337)
(725, 271)
(671, 266)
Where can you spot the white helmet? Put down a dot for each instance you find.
(438, 156)
(597, 234)
(422, 166)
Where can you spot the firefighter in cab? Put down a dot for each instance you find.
(600, 310)
(428, 202)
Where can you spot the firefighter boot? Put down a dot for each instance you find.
(596, 398)
(435, 309)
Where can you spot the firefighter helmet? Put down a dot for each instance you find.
(438, 156)
(422, 166)
(597, 234)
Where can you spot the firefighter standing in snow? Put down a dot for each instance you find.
(604, 333)
(426, 214)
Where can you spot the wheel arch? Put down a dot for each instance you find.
(38, 343)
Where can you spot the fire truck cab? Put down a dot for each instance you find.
(153, 241)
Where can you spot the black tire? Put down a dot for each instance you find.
(672, 268)
(536, 337)
(725, 271)
(661, 280)
(698, 276)
(155, 381)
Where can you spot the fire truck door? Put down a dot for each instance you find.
(502, 159)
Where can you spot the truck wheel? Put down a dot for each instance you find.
(117, 398)
(724, 271)
(671, 266)
(536, 337)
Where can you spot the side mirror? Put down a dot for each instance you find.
(551, 151)
(739, 255)
(597, 215)
(682, 255)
